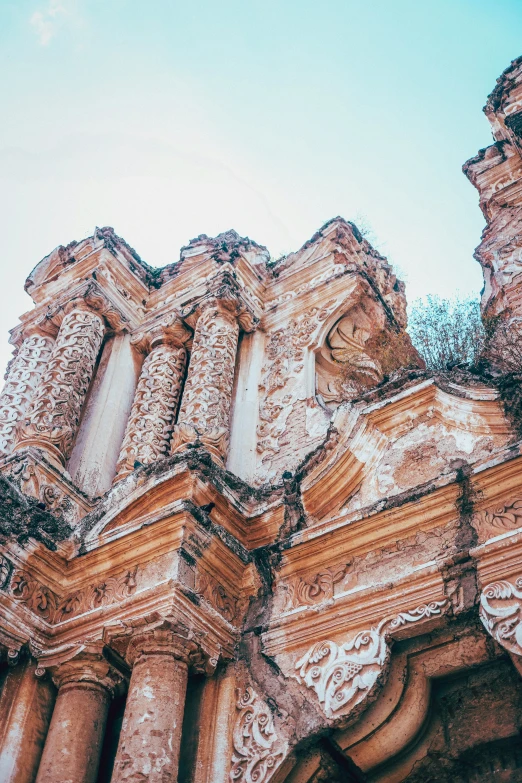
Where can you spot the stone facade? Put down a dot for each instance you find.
(220, 560)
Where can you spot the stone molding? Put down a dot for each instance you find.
(170, 330)
(225, 294)
(258, 751)
(312, 589)
(501, 613)
(342, 675)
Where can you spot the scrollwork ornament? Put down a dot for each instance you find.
(342, 675)
(5, 571)
(495, 521)
(501, 613)
(258, 752)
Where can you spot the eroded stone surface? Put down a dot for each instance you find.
(302, 567)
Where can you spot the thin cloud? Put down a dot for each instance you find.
(46, 22)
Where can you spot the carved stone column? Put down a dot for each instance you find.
(156, 400)
(151, 732)
(54, 414)
(26, 704)
(205, 408)
(22, 379)
(72, 749)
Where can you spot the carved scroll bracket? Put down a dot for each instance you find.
(501, 614)
(342, 675)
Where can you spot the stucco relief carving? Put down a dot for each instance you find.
(22, 379)
(205, 408)
(211, 590)
(501, 613)
(44, 602)
(312, 589)
(154, 408)
(54, 414)
(279, 389)
(345, 345)
(258, 752)
(32, 481)
(5, 571)
(494, 522)
(343, 675)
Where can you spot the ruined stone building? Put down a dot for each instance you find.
(223, 561)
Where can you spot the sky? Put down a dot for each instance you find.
(168, 119)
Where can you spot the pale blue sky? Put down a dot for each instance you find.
(167, 119)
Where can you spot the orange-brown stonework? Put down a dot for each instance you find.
(220, 559)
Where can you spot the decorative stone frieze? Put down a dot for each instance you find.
(311, 589)
(42, 601)
(495, 521)
(148, 432)
(54, 414)
(209, 588)
(207, 397)
(343, 675)
(21, 381)
(501, 613)
(258, 751)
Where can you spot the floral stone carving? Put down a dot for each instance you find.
(45, 603)
(258, 752)
(22, 380)
(54, 414)
(500, 612)
(343, 675)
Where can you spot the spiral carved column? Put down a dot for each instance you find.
(205, 408)
(156, 400)
(54, 414)
(22, 380)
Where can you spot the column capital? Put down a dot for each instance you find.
(226, 297)
(170, 330)
(166, 638)
(89, 666)
(169, 636)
